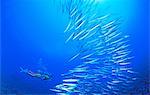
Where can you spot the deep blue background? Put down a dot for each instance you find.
(33, 29)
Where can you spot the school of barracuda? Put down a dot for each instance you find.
(103, 50)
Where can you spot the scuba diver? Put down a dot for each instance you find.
(38, 74)
(41, 72)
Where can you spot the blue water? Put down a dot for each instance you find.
(33, 29)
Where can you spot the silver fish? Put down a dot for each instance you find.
(70, 80)
(55, 90)
(108, 24)
(100, 18)
(80, 25)
(80, 33)
(124, 63)
(81, 19)
(87, 33)
(69, 84)
(92, 61)
(86, 56)
(74, 57)
(69, 24)
(74, 12)
(71, 36)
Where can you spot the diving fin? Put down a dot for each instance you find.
(23, 70)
